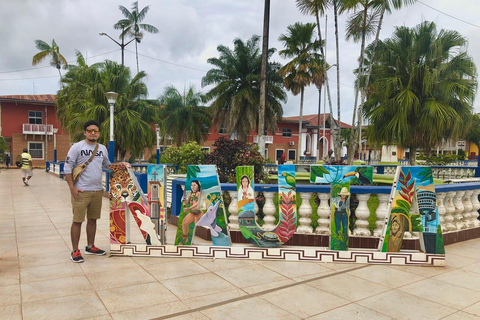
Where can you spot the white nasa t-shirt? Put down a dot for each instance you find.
(91, 178)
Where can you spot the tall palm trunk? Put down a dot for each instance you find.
(136, 54)
(263, 80)
(352, 143)
(332, 131)
(299, 147)
(338, 142)
(367, 78)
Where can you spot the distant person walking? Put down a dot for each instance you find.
(7, 161)
(27, 166)
(87, 192)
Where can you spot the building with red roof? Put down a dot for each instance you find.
(30, 121)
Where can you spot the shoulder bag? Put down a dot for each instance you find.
(78, 170)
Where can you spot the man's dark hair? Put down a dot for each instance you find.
(89, 123)
(25, 150)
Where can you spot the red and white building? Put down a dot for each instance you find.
(30, 121)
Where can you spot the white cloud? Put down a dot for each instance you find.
(189, 33)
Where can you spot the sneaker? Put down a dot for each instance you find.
(76, 256)
(26, 183)
(94, 250)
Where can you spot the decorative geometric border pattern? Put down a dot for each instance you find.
(282, 253)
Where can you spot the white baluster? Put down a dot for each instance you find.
(441, 209)
(467, 204)
(269, 211)
(323, 213)
(362, 213)
(233, 209)
(381, 213)
(449, 213)
(459, 209)
(305, 211)
(476, 206)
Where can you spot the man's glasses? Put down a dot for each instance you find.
(93, 131)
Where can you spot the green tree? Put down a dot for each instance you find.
(132, 26)
(306, 66)
(4, 148)
(182, 156)
(184, 118)
(317, 8)
(228, 154)
(236, 95)
(46, 50)
(83, 98)
(365, 21)
(473, 130)
(424, 88)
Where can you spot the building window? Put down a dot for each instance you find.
(286, 132)
(278, 153)
(292, 155)
(266, 154)
(36, 150)
(35, 117)
(206, 149)
(222, 130)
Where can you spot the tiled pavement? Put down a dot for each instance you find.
(38, 280)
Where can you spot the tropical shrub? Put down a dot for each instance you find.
(188, 154)
(229, 154)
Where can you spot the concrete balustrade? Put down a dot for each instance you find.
(458, 203)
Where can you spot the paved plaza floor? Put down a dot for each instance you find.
(39, 281)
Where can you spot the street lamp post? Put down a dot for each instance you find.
(55, 144)
(122, 45)
(112, 97)
(157, 129)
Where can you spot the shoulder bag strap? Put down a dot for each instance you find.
(93, 155)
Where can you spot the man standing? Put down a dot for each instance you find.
(27, 166)
(7, 160)
(87, 192)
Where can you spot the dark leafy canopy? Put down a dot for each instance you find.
(236, 95)
(82, 98)
(424, 88)
(184, 118)
(473, 130)
(306, 66)
(229, 154)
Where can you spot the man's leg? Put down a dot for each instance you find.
(75, 234)
(91, 231)
(93, 214)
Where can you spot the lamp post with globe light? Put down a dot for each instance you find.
(112, 98)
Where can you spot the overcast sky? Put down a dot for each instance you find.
(190, 31)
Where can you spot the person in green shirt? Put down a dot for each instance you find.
(27, 166)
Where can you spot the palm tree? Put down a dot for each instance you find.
(306, 66)
(132, 25)
(236, 95)
(365, 21)
(184, 118)
(46, 50)
(317, 8)
(424, 88)
(83, 97)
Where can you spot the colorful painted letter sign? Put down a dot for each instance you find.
(412, 208)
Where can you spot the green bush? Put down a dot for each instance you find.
(230, 154)
(188, 154)
(441, 159)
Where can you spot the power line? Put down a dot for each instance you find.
(167, 62)
(73, 61)
(449, 15)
